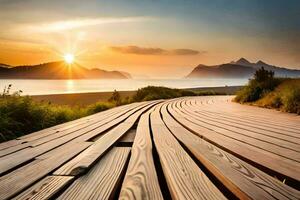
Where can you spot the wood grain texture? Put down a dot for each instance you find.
(275, 162)
(278, 133)
(13, 149)
(21, 178)
(197, 142)
(275, 131)
(83, 161)
(185, 179)
(243, 180)
(269, 137)
(82, 135)
(128, 137)
(45, 189)
(101, 181)
(89, 126)
(9, 144)
(141, 181)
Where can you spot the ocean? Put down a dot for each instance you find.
(40, 87)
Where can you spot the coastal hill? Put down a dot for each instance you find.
(58, 70)
(239, 69)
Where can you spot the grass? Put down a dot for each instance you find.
(285, 97)
(270, 92)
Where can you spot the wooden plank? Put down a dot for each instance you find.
(67, 125)
(128, 137)
(59, 149)
(13, 149)
(102, 180)
(9, 144)
(283, 134)
(141, 180)
(268, 137)
(184, 178)
(23, 177)
(87, 158)
(26, 154)
(243, 180)
(81, 163)
(54, 129)
(228, 116)
(256, 141)
(45, 189)
(87, 126)
(17, 158)
(275, 126)
(252, 113)
(269, 160)
(261, 124)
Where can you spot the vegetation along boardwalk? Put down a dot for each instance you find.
(185, 148)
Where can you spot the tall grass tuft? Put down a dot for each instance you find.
(270, 92)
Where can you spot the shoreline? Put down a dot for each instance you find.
(82, 99)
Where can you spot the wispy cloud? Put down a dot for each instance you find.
(153, 51)
(57, 26)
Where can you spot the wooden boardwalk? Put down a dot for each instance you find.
(185, 148)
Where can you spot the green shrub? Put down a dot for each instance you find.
(249, 93)
(20, 115)
(99, 106)
(154, 93)
(188, 93)
(262, 84)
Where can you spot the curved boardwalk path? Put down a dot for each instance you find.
(185, 148)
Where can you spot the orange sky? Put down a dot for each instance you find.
(161, 41)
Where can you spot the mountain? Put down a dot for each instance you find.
(241, 68)
(58, 70)
(279, 71)
(221, 71)
(243, 62)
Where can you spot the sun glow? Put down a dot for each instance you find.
(69, 58)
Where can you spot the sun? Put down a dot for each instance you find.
(69, 58)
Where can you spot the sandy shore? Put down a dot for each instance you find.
(89, 98)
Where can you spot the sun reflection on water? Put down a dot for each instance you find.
(70, 86)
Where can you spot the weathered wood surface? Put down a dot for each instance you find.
(141, 181)
(102, 181)
(84, 160)
(185, 148)
(185, 179)
(46, 188)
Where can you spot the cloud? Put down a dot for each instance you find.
(186, 52)
(80, 23)
(153, 51)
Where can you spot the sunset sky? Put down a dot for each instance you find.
(156, 38)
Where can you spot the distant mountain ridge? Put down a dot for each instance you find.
(58, 70)
(239, 69)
